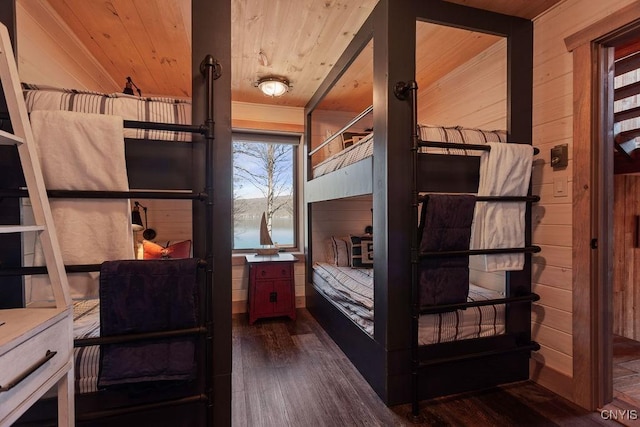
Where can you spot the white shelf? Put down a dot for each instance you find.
(7, 138)
(5, 229)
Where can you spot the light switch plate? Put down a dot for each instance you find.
(560, 187)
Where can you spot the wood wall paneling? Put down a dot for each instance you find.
(171, 219)
(626, 268)
(552, 317)
(338, 218)
(50, 53)
(560, 256)
(471, 95)
(550, 357)
(147, 41)
(325, 123)
(578, 18)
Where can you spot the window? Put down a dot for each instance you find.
(264, 181)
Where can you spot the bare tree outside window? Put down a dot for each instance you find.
(263, 182)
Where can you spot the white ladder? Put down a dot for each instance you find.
(27, 331)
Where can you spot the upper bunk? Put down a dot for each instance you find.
(399, 46)
(345, 105)
(157, 130)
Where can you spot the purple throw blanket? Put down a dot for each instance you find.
(445, 226)
(147, 296)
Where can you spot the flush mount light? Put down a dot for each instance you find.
(273, 86)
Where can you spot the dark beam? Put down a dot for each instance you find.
(629, 63)
(631, 113)
(626, 91)
(211, 35)
(468, 18)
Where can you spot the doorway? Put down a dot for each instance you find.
(625, 248)
(593, 50)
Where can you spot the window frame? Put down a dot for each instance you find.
(276, 137)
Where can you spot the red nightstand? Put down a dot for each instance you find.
(271, 286)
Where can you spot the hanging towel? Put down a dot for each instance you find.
(80, 151)
(445, 226)
(504, 171)
(147, 296)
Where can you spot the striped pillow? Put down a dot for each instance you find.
(129, 107)
(459, 134)
(337, 251)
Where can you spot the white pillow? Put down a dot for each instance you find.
(337, 251)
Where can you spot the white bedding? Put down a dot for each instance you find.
(72, 145)
(364, 148)
(352, 154)
(351, 290)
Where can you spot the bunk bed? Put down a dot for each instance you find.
(96, 357)
(166, 158)
(384, 342)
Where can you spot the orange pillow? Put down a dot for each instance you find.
(177, 250)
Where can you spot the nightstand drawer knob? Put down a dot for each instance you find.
(273, 297)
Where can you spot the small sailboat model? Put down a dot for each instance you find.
(268, 248)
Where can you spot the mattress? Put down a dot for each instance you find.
(351, 291)
(129, 107)
(458, 134)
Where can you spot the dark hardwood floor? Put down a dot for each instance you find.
(290, 373)
(626, 374)
(626, 368)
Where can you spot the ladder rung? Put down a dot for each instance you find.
(7, 138)
(4, 229)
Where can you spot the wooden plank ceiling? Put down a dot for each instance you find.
(300, 40)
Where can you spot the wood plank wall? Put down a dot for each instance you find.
(326, 123)
(339, 218)
(553, 125)
(171, 219)
(50, 54)
(626, 256)
(473, 95)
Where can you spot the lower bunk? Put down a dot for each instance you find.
(459, 351)
(139, 349)
(351, 290)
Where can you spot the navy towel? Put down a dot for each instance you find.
(139, 296)
(445, 226)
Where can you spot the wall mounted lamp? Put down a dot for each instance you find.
(136, 222)
(273, 86)
(128, 87)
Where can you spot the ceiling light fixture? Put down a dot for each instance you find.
(273, 86)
